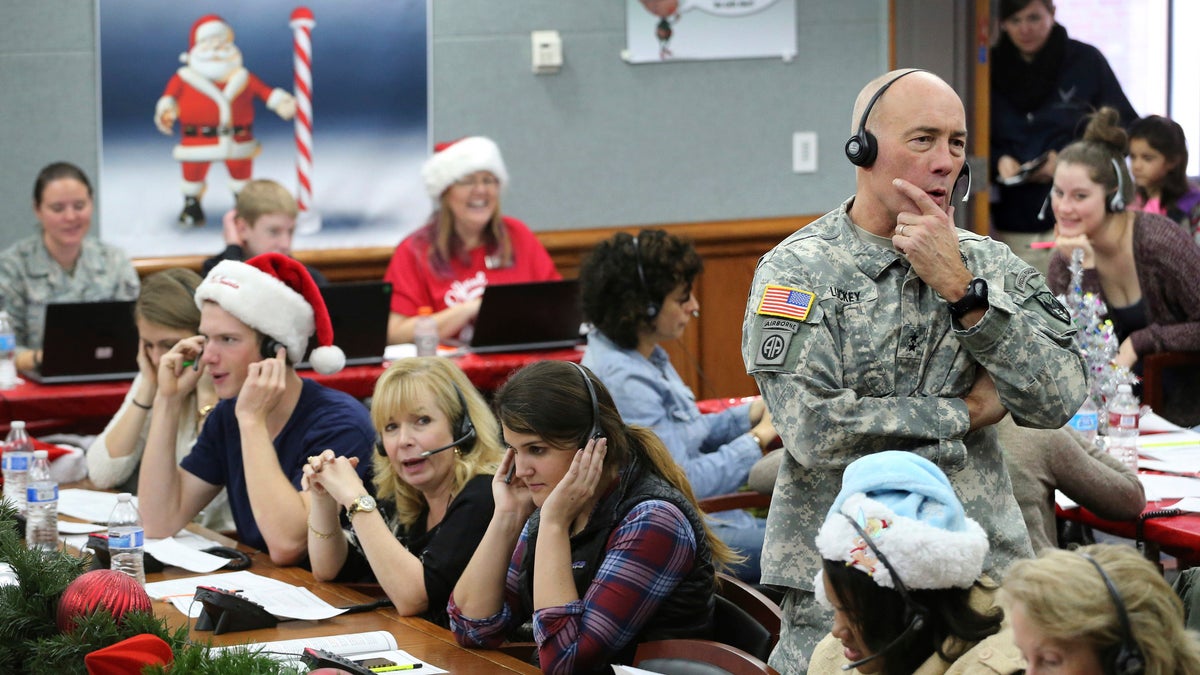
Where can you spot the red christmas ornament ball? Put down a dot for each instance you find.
(110, 590)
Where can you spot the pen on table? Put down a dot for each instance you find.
(1043, 244)
(388, 669)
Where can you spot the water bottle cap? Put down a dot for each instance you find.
(425, 310)
(41, 454)
(17, 424)
(124, 497)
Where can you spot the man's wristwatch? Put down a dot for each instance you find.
(976, 297)
(364, 503)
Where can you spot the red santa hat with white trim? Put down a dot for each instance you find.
(275, 295)
(209, 25)
(457, 159)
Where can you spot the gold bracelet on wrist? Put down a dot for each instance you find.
(320, 534)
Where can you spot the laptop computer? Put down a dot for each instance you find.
(358, 311)
(88, 342)
(522, 317)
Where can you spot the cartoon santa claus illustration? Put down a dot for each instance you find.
(212, 97)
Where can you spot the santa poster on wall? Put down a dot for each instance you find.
(212, 97)
(213, 94)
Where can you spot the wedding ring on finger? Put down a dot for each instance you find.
(900, 229)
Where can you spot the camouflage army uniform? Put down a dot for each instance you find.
(874, 363)
(30, 279)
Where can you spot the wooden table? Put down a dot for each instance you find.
(424, 640)
(87, 407)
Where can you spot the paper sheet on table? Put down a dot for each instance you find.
(1153, 422)
(630, 670)
(90, 505)
(354, 646)
(72, 527)
(185, 538)
(1181, 468)
(1063, 501)
(171, 551)
(1169, 487)
(277, 597)
(1169, 441)
(1189, 504)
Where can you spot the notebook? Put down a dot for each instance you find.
(88, 342)
(358, 311)
(521, 317)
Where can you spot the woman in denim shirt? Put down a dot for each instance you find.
(637, 292)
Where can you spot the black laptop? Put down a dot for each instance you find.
(358, 311)
(88, 342)
(528, 316)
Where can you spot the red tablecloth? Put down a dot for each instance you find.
(87, 407)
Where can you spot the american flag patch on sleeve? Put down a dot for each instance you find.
(791, 303)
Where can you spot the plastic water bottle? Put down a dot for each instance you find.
(126, 538)
(1123, 411)
(41, 497)
(8, 353)
(1087, 420)
(425, 333)
(18, 455)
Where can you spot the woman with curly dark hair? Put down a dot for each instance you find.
(637, 292)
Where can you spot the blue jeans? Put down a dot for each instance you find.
(745, 536)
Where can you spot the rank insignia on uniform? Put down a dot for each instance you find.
(790, 303)
(1053, 306)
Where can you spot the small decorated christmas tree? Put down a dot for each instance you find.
(1095, 337)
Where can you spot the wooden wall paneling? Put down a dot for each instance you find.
(708, 356)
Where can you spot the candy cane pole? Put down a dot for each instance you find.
(301, 23)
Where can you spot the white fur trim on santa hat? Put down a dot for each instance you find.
(262, 302)
(924, 556)
(463, 158)
(210, 27)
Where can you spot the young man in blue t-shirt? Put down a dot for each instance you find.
(255, 321)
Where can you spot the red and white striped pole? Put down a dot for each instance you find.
(301, 23)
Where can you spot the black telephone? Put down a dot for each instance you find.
(319, 658)
(269, 346)
(226, 611)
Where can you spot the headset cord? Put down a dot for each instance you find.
(1140, 526)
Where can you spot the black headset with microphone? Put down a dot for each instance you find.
(862, 147)
(1124, 658)
(915, 614)
(652, 307)
(270, 346)
(1115, 203)
(464, 432)
(596, 431)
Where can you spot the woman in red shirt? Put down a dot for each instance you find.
(466, 245)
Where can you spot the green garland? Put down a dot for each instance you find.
(30, 641)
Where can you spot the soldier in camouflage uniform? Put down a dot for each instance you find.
(60, 263)
(862, 336)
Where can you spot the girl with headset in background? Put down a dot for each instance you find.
(1098, 609)
(629, 321)
(165, 313)
(1159, 156)
(1141, 264)
(596, 536)
(433, 505)
(902, 570)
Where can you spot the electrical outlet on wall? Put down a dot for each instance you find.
(804, 152)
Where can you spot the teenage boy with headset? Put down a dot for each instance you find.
(255, 321)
